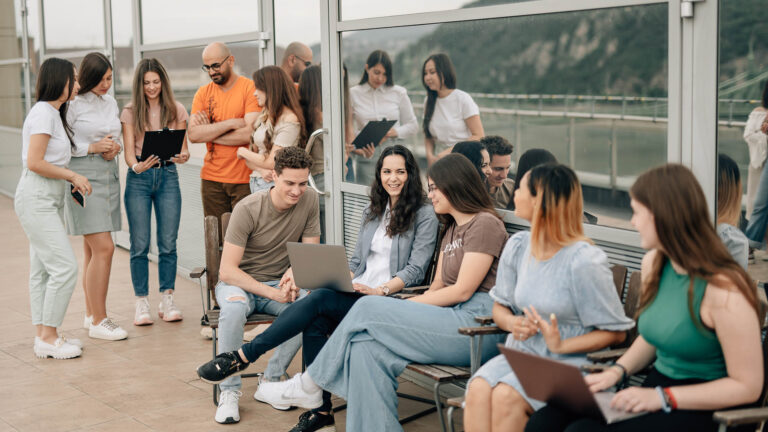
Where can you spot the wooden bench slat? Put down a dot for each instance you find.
(484, 319)
(607, 355)
(197, 273)
(741, 416)
(477, 331)
(431, 372)
(256, 318)
(456, 402)
(457, 372)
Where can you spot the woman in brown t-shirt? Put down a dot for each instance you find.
(381, 335)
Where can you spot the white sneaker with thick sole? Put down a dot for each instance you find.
(76, 342)
(229, 407)
(167, 311)
(107, 330)
(59, 350)
(267, 394)
(292, 393)
(206, 332)
(87, 321)
(142, 316)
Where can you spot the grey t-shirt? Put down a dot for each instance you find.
(263, 231)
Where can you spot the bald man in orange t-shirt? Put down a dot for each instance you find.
(223, 114)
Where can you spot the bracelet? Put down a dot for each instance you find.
(133, 168)
(670, 398)
(664, 403)
(624, 374)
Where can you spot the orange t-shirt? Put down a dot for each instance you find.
(221, 163)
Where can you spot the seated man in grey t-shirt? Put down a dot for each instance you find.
(255, 275)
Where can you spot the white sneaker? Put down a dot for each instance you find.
(142, 316)
(167, 310)
(59, 350)
(206, 332)
(229, 408)
(266, 393)
(107, 330)
(87, 321)
(292, 393)
(76, 342)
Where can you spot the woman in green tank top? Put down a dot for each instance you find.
(699, 320)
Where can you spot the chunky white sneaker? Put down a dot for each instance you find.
(291, 392)
(76, 342)
(266, 393)
(167, 310)
(229, 408)
(107, 330)
(59, 350)
(87, 321)
(142, 317)
(206, 332)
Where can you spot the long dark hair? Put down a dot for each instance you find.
(281, 93)
(472, 150)
(728, 191)
(411, 198)
(92, 70)
(459, 181)
(528, 160)
(686, 234)
(54, 77)
(382, 58)
(447, 74)
(310, 98)
(139, 103)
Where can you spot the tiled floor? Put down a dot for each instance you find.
(145, 383)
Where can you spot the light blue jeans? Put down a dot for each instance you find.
(232, 319)
(378, 338)
(39, 204)
(258, 183)
(758, 220)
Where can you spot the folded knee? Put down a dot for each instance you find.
(479, 391)
(505, 397)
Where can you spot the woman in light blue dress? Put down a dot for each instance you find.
(554, 293)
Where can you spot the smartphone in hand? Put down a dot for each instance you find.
(77, 196)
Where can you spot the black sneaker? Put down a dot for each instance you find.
(221, 367)
(312, 421)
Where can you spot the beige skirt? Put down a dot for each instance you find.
(102, 206)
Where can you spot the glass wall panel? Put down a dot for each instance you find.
(743, 68)
(297, 20)
(357, 9)
(175, 20)
(590, 87)
(122, 42)
(73, 25)
(12, 95)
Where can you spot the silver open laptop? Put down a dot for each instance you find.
(562, 385)
(320, 266)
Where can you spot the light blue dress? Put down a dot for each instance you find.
(736, 242)
(575, 284)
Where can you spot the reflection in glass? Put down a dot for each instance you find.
(176, 20)
(590, 87)
(11, 96)
(63, 35)
(297, 20)
(122, 42)
(358, 9)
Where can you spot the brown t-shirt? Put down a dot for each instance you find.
(503, 193)
(485, 233)
(263, 231)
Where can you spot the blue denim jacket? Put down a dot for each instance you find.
(411, 250)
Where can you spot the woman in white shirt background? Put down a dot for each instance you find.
(450, 114)
(39, 201)
(757, 143)
(376, 97)
(95, 121)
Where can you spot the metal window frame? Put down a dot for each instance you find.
(685, 89)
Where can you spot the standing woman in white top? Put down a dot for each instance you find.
(280, 124)
(39, 202)
(152, 183)
(374, 98)
(450, 115)
(757, 142)
(95, 121)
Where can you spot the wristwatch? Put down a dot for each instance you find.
(384, 289)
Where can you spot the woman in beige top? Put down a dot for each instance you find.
(281, 124)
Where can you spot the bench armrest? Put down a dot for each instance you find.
(481, 331)
(484, 319)
(197, 272)
(740, 416)
(414, 289)
(606, 356)
(593, 368)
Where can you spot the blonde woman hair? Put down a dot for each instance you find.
(139, 103)
(728, 191)
(558, 210)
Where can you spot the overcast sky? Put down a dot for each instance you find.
(79, 23)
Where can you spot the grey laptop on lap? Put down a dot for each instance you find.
(562, 385)
(320, 266)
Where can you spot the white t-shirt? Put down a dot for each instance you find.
(44, 119)
(93, 117)
(448, 125)
(391, 103)
(377, 264)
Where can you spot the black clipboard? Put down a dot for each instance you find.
(164, 144)
(373, 132)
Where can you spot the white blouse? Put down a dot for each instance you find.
(448, 125)
(93, 117)
(385, 102)
(377, 264)
(44, 119)
(756, 140)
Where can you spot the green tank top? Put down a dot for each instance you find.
(683, 348)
